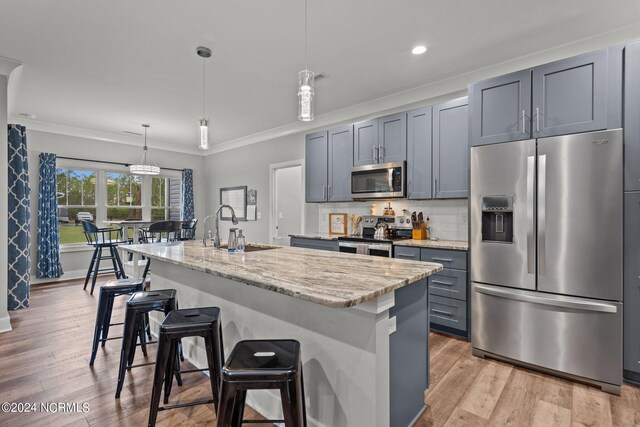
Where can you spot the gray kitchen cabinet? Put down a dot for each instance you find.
(365, 143)
(500, 109)
(632, 286)
(632, 117)
(406, 252)
(419, 148)
(311, 243)
(340, 163)
(392, 138)
(570, 95)
(451, 149)
(316, 167)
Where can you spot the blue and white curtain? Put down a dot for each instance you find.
(187, 195)
(19, 265)
(48, 239)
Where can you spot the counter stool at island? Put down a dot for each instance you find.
(103, 238)
(138, 306)
(192, 322)
(260, 365)
(108, 294)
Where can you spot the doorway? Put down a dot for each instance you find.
(287, 201)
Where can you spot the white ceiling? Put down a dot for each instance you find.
(111, 65)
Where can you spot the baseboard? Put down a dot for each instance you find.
(5, 324)
(68, 275)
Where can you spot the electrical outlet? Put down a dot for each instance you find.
(259, 215)
(393, 325)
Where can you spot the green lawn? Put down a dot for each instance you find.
(71, 234)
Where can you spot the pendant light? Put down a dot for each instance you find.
(144, 167)
(305, 83)
(204, 53)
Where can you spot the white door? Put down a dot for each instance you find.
(287, 203)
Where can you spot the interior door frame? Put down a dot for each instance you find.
(272, 194)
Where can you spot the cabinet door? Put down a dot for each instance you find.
(316, 167)
(632, 117)
(632, 283)
(451, 149)
(500, 109)
(570, 96)
(340, 163)
(365, 143)
(419, 146)
(392, 143)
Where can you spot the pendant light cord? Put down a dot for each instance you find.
(204, 91)
(306, 66)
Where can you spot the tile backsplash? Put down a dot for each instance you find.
(449, 219)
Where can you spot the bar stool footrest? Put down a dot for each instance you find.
(194, 370)
(184, 405)
(262, 421)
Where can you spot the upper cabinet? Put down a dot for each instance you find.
(316, 167)
(340, 163)
(419, 148)
(632, 117)
(328, 163)
(501, 109)
(578, 94)
(392, 137)
(365, 143)
(451, 149)
(380, 140)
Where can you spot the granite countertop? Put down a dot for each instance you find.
(329, 278)
(457, 245)
(321, 236)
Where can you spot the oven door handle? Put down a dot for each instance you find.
(347, 245)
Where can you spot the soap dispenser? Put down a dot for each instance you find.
(233, 240)
(241, 242)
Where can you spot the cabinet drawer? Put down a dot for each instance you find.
(449, 283)
(321, 244)
(403, 252)
(448, 258)
(448, 312)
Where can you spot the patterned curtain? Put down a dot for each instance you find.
(187, 195)
(18, 224)
(48, 239)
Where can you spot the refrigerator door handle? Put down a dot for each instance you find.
(531, 251)
(542, 214)
(574, 303)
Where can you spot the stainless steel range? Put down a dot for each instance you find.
(376, 235)
(546, 254)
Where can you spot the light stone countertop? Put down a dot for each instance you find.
(329, 278)
(457, 245)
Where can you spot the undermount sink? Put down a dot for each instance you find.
(252, 248)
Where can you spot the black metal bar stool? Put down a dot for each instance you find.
(260, 365)
(108, 294)
(103, 238)
(138, 306)
(192, 322)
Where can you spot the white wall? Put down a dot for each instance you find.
(75, 264)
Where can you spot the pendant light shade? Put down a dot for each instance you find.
(305, 95)
(204, 53)
(146, 165)
(306, 78)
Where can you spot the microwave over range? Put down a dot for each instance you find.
(379, 181)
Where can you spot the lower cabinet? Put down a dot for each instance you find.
(310, 243)
(632, 286)
(449, 306)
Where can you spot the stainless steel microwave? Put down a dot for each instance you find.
(379, 181)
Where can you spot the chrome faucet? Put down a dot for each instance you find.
(216, 235)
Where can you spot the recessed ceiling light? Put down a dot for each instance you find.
(419, 50)
(27, 116)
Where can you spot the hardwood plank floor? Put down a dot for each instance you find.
(45, 359)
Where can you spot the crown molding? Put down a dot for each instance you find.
(55, 128)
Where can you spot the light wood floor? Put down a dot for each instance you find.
(45, 359)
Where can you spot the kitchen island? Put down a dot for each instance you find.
(361, 321)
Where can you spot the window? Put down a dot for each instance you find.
(165, 199)
(76, 190)
(124, 196)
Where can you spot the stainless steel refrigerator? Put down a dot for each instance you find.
(546, 254)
